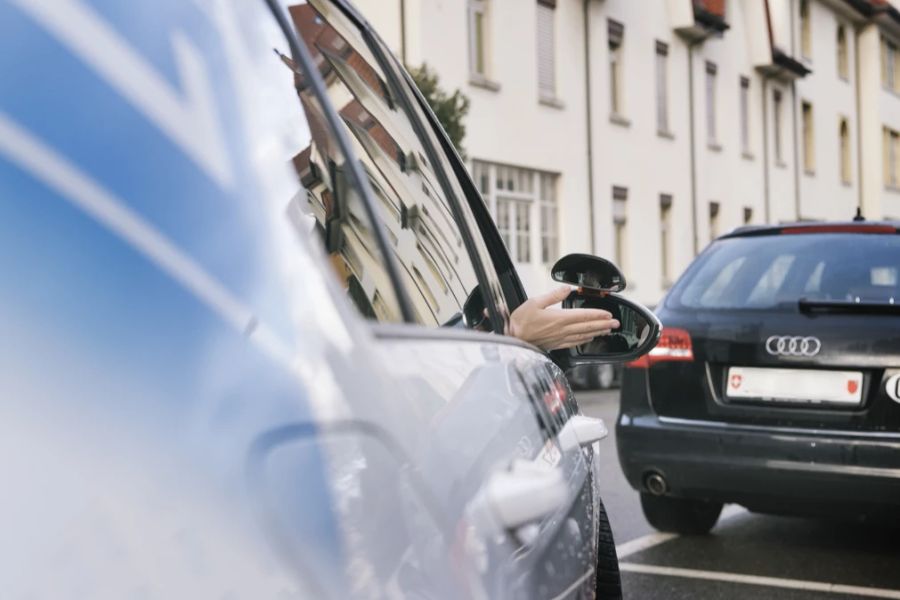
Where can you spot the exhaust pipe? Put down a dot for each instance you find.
(656, 483)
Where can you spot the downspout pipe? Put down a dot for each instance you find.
(590, 128)
(693, 143)
(765, 161)
(403, 32)
(795, 125)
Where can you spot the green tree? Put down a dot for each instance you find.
(449, 109)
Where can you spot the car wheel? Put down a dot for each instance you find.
(608, 581)
(686, 516)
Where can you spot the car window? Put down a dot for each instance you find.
(424, 237)
(767, 271)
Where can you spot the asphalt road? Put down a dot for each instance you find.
(746, 555)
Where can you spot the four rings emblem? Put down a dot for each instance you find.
(793, 345)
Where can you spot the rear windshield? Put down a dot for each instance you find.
(778, 270)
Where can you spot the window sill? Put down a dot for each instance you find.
(618, 119)
(714, 146)
(747, 155)
(663, 133)
(484, 83)
(892, 187)
(552, 102)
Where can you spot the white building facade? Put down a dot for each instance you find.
(642, 130)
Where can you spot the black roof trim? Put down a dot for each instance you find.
(710, 20)
(754, 230)
(869, 10)
(791, 64)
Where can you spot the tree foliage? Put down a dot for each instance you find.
(449, 109)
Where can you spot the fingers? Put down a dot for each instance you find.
(594, 327)
(554, 297)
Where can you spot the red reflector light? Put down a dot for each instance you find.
(841, 229)
(674, 345)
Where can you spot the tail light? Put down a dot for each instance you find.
(674, 345)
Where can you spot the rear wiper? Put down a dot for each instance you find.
(848, 306)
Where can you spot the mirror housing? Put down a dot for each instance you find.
(638, 332)
(588, 272)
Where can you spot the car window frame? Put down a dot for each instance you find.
(301, 57)
(407, 96)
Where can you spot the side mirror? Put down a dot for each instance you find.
(589, 272)
(638, 332)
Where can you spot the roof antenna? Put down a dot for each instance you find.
(859, 216)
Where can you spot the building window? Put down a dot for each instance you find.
(517, 198)
(805, 30)
(615, 38)
(779, 151)
(713, 220)
(549, 218)
(665, 238)
(748, 215)
(662, 87)
(809, 140)
(846, 173)
(890, 66)
(745, 115)
(891, 155)
(478, 39)
(620, 227)
(546, 48)
(711, 135)
(843, 62)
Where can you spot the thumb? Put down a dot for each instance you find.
(554, 297)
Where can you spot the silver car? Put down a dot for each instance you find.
(253, 316)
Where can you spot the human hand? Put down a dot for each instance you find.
(540, 323)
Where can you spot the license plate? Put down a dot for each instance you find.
(795, 385)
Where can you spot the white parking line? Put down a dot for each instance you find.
(778, 582)
(654, 539)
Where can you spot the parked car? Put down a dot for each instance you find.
(598, 377)
(774, 384)
(253, 316)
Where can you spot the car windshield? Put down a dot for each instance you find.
(762, 272)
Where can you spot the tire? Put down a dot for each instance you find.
(608, 581)
(686, 516)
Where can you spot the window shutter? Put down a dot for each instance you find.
(615, 31)
(546, 50)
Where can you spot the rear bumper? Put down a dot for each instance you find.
(769, 470)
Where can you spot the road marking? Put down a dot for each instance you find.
(640, 544)
(188, 116)
(574, 585)
(779, 582)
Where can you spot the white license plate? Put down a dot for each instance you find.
(795, 385)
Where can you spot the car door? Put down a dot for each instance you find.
(472, 408)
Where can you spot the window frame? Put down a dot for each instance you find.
(663, 126)
(544, 8)
(712, 118)
(474, 8)
(615, 42)
(534, 202)
(404, 91)
(744, 107)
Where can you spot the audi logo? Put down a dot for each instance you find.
(793, 345)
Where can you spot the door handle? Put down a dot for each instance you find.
(581, 431)
(523, 494)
